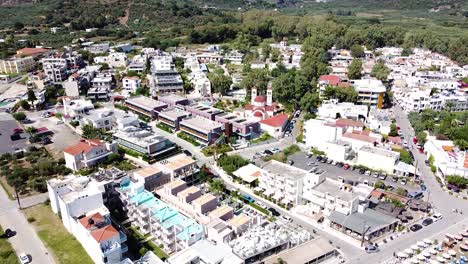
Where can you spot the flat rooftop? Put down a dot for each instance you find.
(334, 189)
(220, 211)
(206, 198)
(145, 102)
(173, 113)
(171, 98)
(240, 220)
(285, 170)
(381, 152)
(148, 171)
(188, 191)
(177, 162)
(175, 183)
(201, 124)
(304, 253)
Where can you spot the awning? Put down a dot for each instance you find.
(277, 196)
(268, 192)
(258, 189)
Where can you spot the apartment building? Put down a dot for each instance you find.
(131, 83)
(76, 107)
(333, 109)
(17, 65)
(448, 159)
(79, 200)
(370, 92)
(56, 69)
(145, 106)
(152, 177)
(173, 100)
(330, 195)
(378, 158)
(108, 119)
(179, 166)
(172, 117)
(87, 153)
(203, 130)
(286, 184)
(145, 142)
(205, 251)
(168, 227)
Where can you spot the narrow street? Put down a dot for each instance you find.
(26, 239)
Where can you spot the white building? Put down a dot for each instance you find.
(331, 195)
(379, 120)
(17, 65)
(370, 92)
(448, 159)
(87, 153)
(286, 184)
(79, 200)
(207, 252)
(76, 107)
(108, 119)
(378, 158)
(131, 84)
(334, 109)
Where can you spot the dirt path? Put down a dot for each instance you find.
(123, 20)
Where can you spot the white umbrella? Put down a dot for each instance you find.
(426, 254)
(428, 241)
(414, 247)
(421, 257)
(421, 244)
(402, 255)
(409, 251)
(433, 251)
(433, 261)
(446, 256)
(415, 261)
(452, 252)
(440, 259)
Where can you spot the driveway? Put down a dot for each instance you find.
(7, 125)
(26, 239)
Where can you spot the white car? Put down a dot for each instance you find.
(437, 216)
(262, 205)
(287, 218)
(24, 259)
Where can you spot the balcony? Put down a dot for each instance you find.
(123, 248)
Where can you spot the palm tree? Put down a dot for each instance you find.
(217, 187)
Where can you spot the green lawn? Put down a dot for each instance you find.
(7, 254)
(65, 248)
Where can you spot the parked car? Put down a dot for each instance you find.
(188, 153)
(9, 233)
(437, 216)
(287, 218)
(346, 166)
(366, 182)
(415, 227)
(362, 171)
(340, 179)
(269, 152)
(262, 205)
(383, 176)
(375, 175)
(311, 163)
(371, 249)
(415, 195)
(274, 212)
(24, 259)
(453, 188)
(324, 160)
(309, 155)
(367, 173)
(427, 221)
(353, 168)
(394, 179)
(390, 188)
(403, 181)
(291, 162)
(415, 140)
(334, 163)
(329, 161)
(340, 164)
(318, 158)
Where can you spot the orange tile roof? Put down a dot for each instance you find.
(360, 137)
(447, 148)
(275, 121)
(31, 51)
(97, 218)
(465, 162)
(84, 146)
(104, 233)
(348, 122)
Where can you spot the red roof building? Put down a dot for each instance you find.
(84, 146)
(88, 152)
(333, 80)
(31, 52)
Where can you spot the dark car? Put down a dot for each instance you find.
(394, 179)
(427, 221)
(453, 188)
(362, 171)
(318, 158)
(323, 160)
(46, 141)
(188, 153)
(309, 155)
(415, 227)
(274, 212)
(372, 249)
(340, 164)
(9, 233)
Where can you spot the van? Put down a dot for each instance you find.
(415, 195)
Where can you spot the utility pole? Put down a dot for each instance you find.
(17, 197)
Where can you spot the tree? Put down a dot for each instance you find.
(400, 191)
(256, 78)
(421, 136)
(31, 96)
(89, 132)
(393, 130)
(18, 26)
(220, 83)
(357, 51)
(309, 101)
(290, 87)
(458, 181)
(25, 105)
(379, 184)
(217, 186)
(19, 116)
(343, 94)
(380, 71)
(354, 69)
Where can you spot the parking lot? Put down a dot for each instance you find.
(7, 127)
(63, 136)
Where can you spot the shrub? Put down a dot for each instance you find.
(31, 219)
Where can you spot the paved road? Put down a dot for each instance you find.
(26, 239)
(33, 200)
